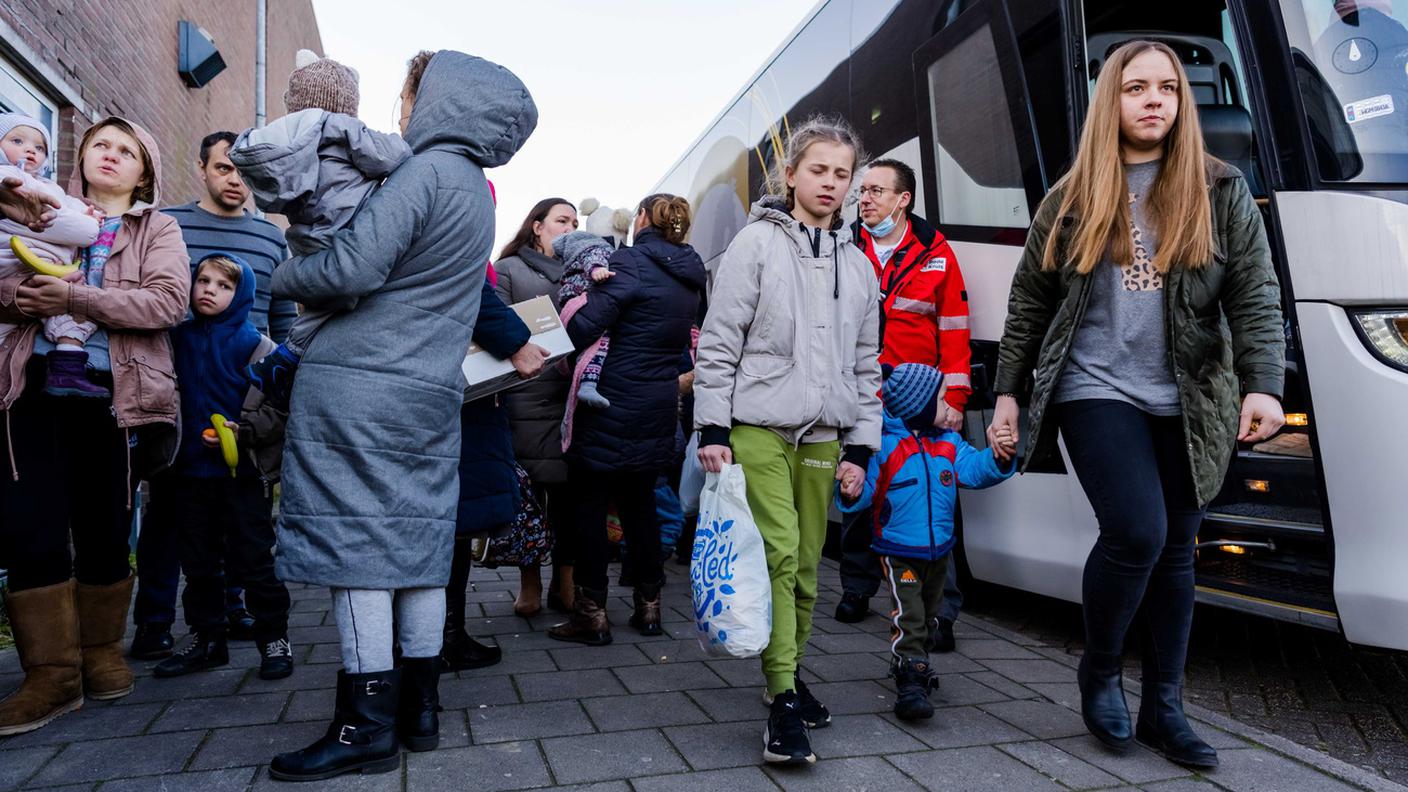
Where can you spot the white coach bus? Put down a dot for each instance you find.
(1308, 97)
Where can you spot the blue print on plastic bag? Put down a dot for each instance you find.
(710, 574)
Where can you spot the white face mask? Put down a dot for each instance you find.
(885, 226)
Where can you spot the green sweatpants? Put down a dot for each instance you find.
(789, 492)
(916, 593)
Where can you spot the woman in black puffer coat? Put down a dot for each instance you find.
(648, 307)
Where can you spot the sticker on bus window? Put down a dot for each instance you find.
(1365, 109)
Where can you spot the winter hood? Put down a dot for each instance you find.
(472, 107)
(78, 186)
(773, 209)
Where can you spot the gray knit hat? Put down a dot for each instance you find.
(322, 83)
(571, 245)
(910, 390)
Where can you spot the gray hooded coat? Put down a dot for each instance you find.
(371, 461)
(315, 167)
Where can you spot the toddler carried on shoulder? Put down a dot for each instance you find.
(24, 152)
(584, 256)
(315, 166)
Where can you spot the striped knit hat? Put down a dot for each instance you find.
(911, 393)
(322, 83)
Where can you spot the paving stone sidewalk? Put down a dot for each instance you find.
(645, 715)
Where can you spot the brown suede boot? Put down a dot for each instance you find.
(647, 614)
(102, 619)
(46, 635)
(588, 623)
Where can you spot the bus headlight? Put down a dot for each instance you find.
(1386, 335)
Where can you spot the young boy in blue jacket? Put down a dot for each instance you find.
(912, 484)
(222, 517)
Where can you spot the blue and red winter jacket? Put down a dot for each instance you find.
(913, 485)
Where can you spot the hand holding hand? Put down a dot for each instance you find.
(1005, 447)
(1261, 418)
(1004, 423)
(713, 458)
(852, 479)
(528, 361)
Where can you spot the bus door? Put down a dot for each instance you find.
(993, 87)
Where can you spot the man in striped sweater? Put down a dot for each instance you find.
(217, 223)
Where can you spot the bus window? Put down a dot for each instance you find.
(976, 157)
(1351, 61)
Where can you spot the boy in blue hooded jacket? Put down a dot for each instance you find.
(222, 515)
(912, 485)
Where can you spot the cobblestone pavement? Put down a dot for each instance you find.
(1298, 682)
(647, 715)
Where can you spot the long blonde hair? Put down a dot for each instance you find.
(1096, 196)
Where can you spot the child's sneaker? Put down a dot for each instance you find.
(68, 376)
(814, 714)
(914, 679)
(590, 396)
(203, 650)
(785, 738)
(273, 375)
(275, 658)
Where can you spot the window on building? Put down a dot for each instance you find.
(19, 95)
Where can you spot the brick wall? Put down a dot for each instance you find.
(119, 57)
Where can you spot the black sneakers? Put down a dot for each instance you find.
(275, 658)
(152, 642)
(204, 649)
(914, 680)
(785, 738)
(814, 713)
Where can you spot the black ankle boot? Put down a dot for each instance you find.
(417, 718)
(914, 680)
(1103, 707)
(206, 648)
(1164, 728)
(361, 737)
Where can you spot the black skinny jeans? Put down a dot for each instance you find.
(1134, 468)
(592, 492)
(74, 483)
(224, 528)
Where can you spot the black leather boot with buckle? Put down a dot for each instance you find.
(418, 719)
(361, 737)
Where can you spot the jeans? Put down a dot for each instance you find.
(634, 496)
(159, 568)
(860, 567)
(1135, 470)
(74, 486)
(224, 525)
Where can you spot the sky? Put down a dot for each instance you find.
(623, 87)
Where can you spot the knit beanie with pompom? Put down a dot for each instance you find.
(321, 83)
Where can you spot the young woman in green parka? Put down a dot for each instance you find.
(1146, 312)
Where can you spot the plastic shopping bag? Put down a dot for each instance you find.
(729, 570)
(691, 477)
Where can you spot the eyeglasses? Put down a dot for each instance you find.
(876, 192)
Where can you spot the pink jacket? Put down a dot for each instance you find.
(146, 288)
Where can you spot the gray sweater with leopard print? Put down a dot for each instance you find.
(1120, 350)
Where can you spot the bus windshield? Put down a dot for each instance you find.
(1351, 62)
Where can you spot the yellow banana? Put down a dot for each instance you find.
(39, 265)
(227, 442)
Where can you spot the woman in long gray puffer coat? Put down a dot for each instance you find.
(372, 451)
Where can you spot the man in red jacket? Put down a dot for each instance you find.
(923, 319)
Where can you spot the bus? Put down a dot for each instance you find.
(985, 98)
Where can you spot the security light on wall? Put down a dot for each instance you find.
(199, 61)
